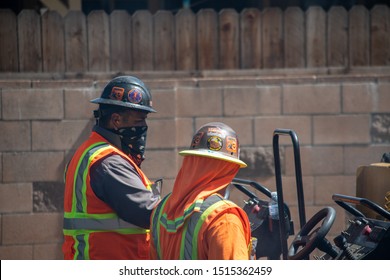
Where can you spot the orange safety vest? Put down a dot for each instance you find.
(200, 215)
(92, 230)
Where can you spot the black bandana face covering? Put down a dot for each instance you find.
(133, 141)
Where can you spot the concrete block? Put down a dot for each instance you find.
(185, 130)
(51, 251)
(264, 128)
(199, 102)
(343, 129)
(246, 101)
(311, 99)
(33, 166)
(42, 228)
(62, 83)
(316, 160)
(259, 160)
(326, 186)
(383, 102)
(355, 156)
(15, 198)
(161, 134)
(78, 105)
(15, 83)
(15, 136)
(16, 252)
(63, 135)
(357, 98)
(164, 103)
(48, 197)
(34, 104)
(380, 128)
(160, 164)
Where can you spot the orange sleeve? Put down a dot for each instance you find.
(226, 239)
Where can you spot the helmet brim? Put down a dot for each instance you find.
(123, 104)
(211, 154)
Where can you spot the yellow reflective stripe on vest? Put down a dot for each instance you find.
(173, 225)
(79, 200)
(156, 217)
(189, 242)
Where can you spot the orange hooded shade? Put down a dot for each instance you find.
(198, 178)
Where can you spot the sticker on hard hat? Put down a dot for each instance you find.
(117, 93)
(134, 96)
(231, 144)
(196, 140)
(214, 143)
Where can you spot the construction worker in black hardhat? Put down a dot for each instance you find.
(108, 199)
(195, 222)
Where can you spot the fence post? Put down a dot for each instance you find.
(380, 35)
(185, 31)
(53, 42)
(98, 41)
(76, 48)
(207, 39)
(164, 41)
(142, 40)
(229, 39)
(337, 37)
(294, 38)
(359, 34)
(273, 52)
(120, 41)
(315, 37)
(29, 39)
(8, 42)
(250, 39)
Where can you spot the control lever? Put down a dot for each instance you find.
(341, 242)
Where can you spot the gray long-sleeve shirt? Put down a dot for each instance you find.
(116, 182)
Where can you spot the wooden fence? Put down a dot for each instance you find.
(252, 39)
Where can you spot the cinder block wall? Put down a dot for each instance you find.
(342, 122)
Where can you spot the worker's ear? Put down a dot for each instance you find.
(115, 120)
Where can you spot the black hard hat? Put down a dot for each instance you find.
(216, 140)
(126, 91)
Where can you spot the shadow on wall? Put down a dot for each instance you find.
(48, 197)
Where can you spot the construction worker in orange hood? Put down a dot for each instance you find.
(195, 222)
(108, 199)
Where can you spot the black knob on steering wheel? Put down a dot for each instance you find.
(307, 240)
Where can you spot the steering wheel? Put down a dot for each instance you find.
(308, 240)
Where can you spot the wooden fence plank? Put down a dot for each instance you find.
(142, 40)
(185, 40)
(273, 52)
(359, 34)
(120, 41)
(188, 41)
(229, 47)
(380, 35)
(29, 38)
(207, 39)
(294, 38)
(164, 41)
(98, 41)
(53, 43)
(250, 39)
(337, 43)
(315, 37)
(76, 47)
(8, 42)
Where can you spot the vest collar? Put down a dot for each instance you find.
(111, 137)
